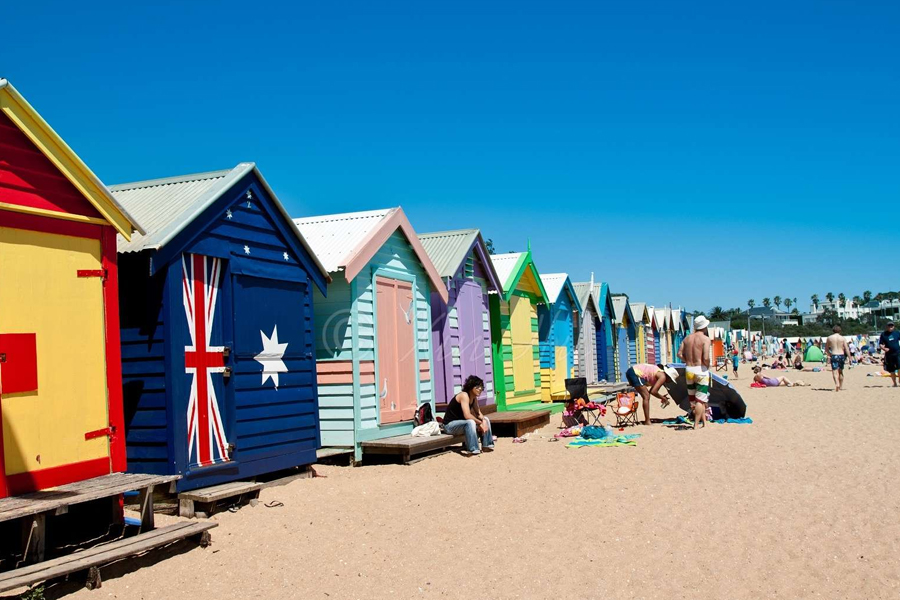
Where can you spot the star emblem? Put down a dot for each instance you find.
(271, 357)
(246, 249)
(228, 215)
(286, 257)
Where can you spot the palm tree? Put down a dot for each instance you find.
(815, 301)
(857, 300)
(767, 303)
(717, 314)
(777, 301)
(842, 298)
(787, 304)
(830, 297)
(795, 302)
(867, 296)
(751, 303)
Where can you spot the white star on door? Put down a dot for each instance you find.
(271, 357)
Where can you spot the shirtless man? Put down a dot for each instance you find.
(838, 351)
(695, 352)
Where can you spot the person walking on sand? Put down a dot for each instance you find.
(695, 353)
(838, 351)
(889, 342)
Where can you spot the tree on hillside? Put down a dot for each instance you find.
(842, 298)
(717, 314)
(867, 296)
(787, 304)
(815, 300)
(829, 296)
(767, 303)
(777, 301)
(751, 303)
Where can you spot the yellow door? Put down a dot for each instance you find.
(522, 349)
(41, 294)
(558, 383)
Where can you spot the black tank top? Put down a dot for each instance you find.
(454, 411)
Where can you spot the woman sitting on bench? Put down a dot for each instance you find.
(463, 415)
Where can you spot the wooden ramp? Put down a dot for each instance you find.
(516, 423)
(407, 447)
(89, 560)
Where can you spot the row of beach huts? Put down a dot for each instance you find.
(190, 326)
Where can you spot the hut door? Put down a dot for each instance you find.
(470, 304)
(397, 368)
(522, 344)
(590, 348)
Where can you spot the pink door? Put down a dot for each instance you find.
(397, 365)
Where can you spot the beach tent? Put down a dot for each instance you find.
(608, 362)
(373, 332)
(726, 402)
(461, 327)
(61, 375)
(642, 327)
(514, 330)
(216, 302)
(625, 333)
(814, 354)
(556, 333)
(589, 346)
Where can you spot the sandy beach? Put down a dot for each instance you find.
(803, 503)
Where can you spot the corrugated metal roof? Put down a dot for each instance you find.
(505, 264)
(162, 205)
(333, 238)
(554, 284)
(166, 206)
(637, 309)
(583, 291)
(661, 319)
(619, 303)
(448, 249)
(676, 318)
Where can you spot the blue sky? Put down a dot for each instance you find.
(757, 143)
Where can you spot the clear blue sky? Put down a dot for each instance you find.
(625, 138)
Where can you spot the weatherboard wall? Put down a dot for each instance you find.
(557, 345)
(267, 423)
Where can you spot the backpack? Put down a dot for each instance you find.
(423, 415)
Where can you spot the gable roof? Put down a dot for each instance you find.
(510, 268)
(36, 129)
(639, 309)
(676, 319)
(606, 301)
(622, 308)
(448, 250)
(348, 241)
(651, 318)
(555, 284)
(661, 322)
(587, 296)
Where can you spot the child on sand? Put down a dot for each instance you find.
(735, 359)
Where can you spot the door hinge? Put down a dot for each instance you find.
(105, 432)
(101, 273)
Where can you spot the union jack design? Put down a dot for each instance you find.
(206, 435)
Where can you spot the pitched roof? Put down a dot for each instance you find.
(167, 206)
(510, 268)
(449, 249)
(620, 306)
(348, 241)
(639, 308)
(555, 283)
(587, 295)
(51, 145)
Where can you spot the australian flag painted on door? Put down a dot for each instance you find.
(217, 351)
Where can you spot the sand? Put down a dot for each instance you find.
(803, 503)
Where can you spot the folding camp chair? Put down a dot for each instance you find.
(625, 409)
(721, 363)
(590, 412)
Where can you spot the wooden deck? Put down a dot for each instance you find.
(57, 500)
(609, 388)
(516, 423)
(407, 447)
(90, 559)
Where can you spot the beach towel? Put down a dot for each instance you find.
(744, 421)
(686, 421)
(619, 440)
(756, 384)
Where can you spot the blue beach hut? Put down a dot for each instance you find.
(556, 332)
(216, 322)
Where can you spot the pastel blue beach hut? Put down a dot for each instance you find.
(216, 320)
(556, 332)
(373, 332)
(626, 335)
(608, 369)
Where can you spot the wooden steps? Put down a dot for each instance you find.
(408, 446)
(516, 423)
(97, 556)
(234, 491)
